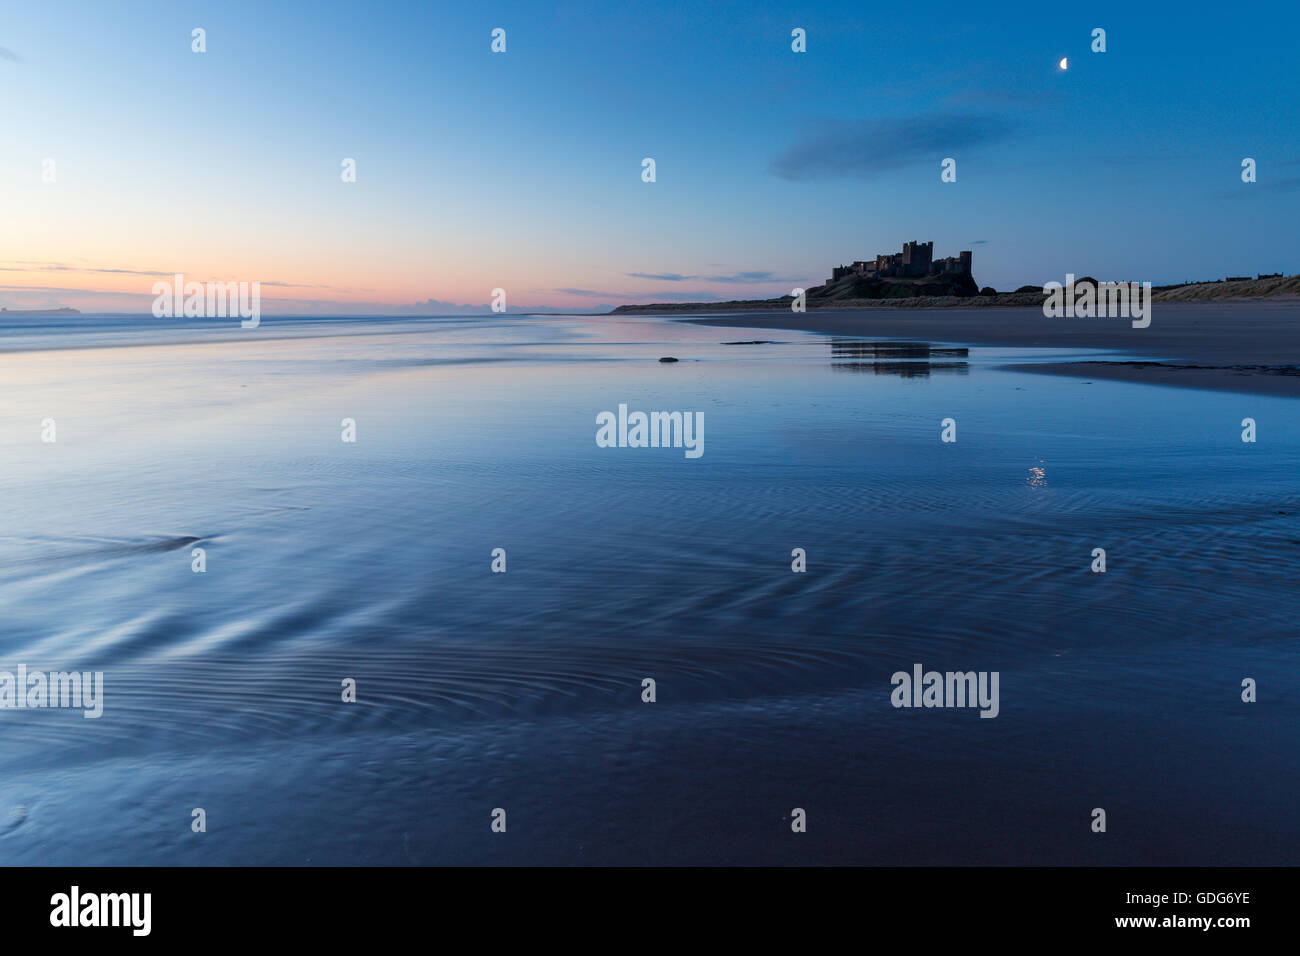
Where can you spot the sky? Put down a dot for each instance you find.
(522, 170)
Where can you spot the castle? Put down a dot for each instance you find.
(916, 261)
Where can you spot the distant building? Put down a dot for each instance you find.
(916, 261)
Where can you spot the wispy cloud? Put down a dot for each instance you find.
(10, 55)
(1284, 185)
(20, 266)
(863, 149)
(1247, 191)
(641, 296)
(29, 266)
(747, 277)
(1290, 184)
(737, 278)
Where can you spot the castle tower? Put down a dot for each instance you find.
(917, 258)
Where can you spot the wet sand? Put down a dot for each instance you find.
(1241, 346)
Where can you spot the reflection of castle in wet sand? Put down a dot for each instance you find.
(906, 359)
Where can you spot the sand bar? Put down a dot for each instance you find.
(1243, 346)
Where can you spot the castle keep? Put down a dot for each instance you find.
(916, 261)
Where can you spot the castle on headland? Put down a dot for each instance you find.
(916, 261)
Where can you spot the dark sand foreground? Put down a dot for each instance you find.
(1244, 346)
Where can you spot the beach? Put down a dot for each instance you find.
(372, 561)
(1241, 346)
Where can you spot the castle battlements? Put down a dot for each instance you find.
(916, 261)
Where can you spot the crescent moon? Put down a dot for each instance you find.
(1065, 63)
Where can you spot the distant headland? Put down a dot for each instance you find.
(63, 311)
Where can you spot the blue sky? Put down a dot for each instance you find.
(522, 170)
